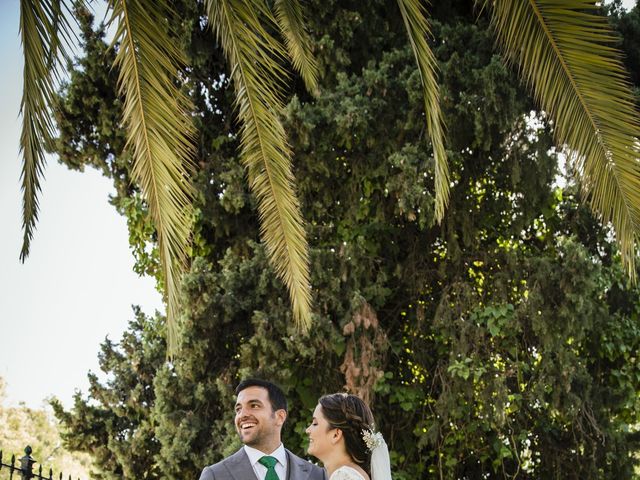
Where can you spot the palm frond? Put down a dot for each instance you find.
(160, 133)
(417, 27)
(44, 31)
(258, 78)
(291, 22)
(565, 54)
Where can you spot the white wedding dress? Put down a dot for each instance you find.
(346, 473)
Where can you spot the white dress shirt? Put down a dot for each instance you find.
(261, 471)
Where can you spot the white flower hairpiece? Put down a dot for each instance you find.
(372, 439)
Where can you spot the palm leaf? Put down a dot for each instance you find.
(291, 23)
(417, 27)
(258, 78)
(44, 33)
(565, 54)
(160, 133)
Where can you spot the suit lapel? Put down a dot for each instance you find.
(239, 467)
(297, 469)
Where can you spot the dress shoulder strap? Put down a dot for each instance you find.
(346, 473)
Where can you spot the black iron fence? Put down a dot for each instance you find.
(25, 470)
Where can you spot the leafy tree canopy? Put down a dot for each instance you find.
(563, 52)
(21, 426)
(499, 344)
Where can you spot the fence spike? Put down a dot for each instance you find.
(25, 470)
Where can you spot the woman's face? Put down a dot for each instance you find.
(321, 435)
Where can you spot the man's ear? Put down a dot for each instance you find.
(281, 416)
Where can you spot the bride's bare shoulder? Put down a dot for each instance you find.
(348, 473)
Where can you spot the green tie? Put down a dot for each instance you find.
(270, 463)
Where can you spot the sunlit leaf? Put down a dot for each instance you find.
(418, 30)
(45, 33)
(565, 53)
(291, 22)
(254, 56)
(159, 133)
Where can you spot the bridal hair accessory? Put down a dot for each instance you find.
(380, 461)
(372, 439)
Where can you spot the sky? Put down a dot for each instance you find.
(78, 285)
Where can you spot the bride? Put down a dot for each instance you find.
(341, 435)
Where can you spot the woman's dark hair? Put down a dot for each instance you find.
(351, 415)
(276, 396)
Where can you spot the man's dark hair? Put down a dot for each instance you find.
(276, 395)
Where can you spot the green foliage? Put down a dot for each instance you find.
(21, 426)
(116, 427)
(501, 344)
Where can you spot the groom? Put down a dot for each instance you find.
(261, 410)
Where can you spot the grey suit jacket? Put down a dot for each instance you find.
(237, 467)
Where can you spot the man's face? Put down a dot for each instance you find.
(256, 423)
